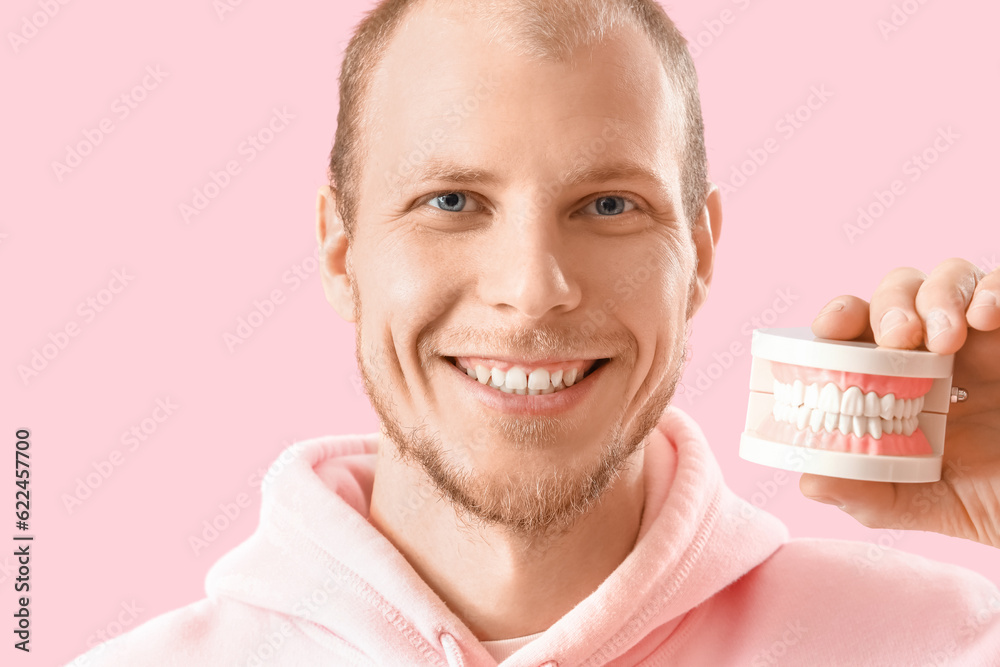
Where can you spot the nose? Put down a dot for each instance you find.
(531, 270)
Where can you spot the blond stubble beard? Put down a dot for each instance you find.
(538, 507)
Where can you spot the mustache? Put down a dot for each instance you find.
(583, 341)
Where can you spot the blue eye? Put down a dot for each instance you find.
(609, 206)
(453, 202)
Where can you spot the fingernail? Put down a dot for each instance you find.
(831, 307)
(937, 323)
(828, 501)
(891, 320)
(983, 299)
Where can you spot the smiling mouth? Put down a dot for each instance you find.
(527, 380)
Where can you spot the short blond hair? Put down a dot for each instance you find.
(543, 29)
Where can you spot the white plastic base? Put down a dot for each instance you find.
(840, 464)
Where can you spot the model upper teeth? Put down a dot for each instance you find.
(521, 380)
(851, 411)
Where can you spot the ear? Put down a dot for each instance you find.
(705, 233)
(333, 246)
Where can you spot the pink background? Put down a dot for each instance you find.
(162, 335)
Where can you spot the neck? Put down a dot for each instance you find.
(503, 585)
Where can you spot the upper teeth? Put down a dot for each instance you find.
(852, 401)
(851, 410)
(520, 380)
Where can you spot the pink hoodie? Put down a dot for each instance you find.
(711, 581)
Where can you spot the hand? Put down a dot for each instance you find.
(954, 310)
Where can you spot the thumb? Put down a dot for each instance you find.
(874, 504)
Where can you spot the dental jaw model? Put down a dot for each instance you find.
(846, 409)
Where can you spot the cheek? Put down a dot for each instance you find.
(656, 309)
(408, 284)
(655, 282)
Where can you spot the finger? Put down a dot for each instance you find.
(941, 303)
(893, 313)
(932, 506)
(880, 504)
(844, 318)
(871, 503)
(984, 311)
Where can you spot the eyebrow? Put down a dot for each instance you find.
(439, 169)
(630, 171)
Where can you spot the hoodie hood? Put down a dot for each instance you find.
(316, 559)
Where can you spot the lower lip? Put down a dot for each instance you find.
(540, 404)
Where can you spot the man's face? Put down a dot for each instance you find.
(549, 235)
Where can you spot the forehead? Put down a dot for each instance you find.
(444, 93)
